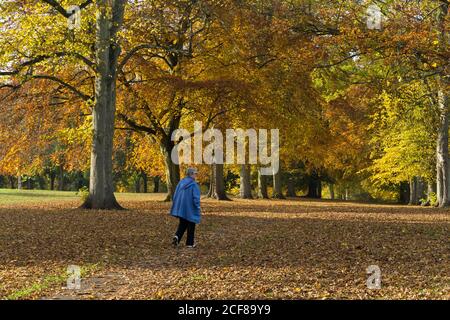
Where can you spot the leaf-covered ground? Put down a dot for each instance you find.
(259, 249)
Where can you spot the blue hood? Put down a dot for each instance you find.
(186, 183)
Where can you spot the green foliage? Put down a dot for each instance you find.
(403, 135)
(83, 193)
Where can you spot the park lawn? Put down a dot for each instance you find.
(249, 249)
(14, 196)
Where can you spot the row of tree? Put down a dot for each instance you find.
(357, 107)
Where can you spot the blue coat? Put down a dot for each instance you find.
(186, 200)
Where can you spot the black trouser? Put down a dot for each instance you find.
(190, 226)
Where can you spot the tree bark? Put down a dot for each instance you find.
(144, 181)
(442, 163)
(413, 191)
(262, 186)
(12, 182)
(217, 185)
(19, 182)
(172, 169)
(277, 186)
(291, 188)
(212, 181)
(314, 186)
(60, 178)
(442, 152)
(137, 184)
(101, 185)
(245, 182)
(52, 181)
(404, 192)
(30, 183)
(156, 184)
(41, 182)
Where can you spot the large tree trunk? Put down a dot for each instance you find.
(172, 169)
(442, 152)
(19, 182)
(217, 184)
(101, 186)
(262, 186)
(245, 190)
(277, 187)
(442, 163)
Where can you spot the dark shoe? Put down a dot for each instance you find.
(175, 241)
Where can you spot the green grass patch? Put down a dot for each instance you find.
(14, 196)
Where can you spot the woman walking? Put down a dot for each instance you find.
(186, 207)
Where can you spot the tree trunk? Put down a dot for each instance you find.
(145, 181)
(60, 178)
(41, 182)
(413, 192)
(19, 182)
(314, 186)
(331, 187)
(137, 184)
(262, 186)
(212, 181)
(52, 181)
(442, 153)
(172, 169)
(30, 183)
(442, 163)
(277, 187)
(12, 182)
(245, 182)
(217, 187)
(101, 186)
(404, 192)
(156, 184)
(291, 188)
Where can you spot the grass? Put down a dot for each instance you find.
(250, 249)
(14, 196)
